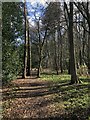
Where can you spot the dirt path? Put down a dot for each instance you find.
(30, 98)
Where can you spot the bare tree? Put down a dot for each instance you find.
(73, 73)
(84, 9)
(41, 42)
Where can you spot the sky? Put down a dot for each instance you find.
(41, 1)
(44, 1)
(33, 3)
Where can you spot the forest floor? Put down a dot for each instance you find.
(41, 98)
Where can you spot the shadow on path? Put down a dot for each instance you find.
(33, 97)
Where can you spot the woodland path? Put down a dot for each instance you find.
(30, 98)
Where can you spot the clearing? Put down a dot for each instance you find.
(48, 97)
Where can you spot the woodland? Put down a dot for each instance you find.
(45, 61)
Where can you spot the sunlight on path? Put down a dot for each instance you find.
(29, 98)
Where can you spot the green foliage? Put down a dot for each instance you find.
(78, 106)
(12, 30)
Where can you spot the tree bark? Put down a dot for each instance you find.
(73, 73)
(61, 53)
(39, 65)
(56, 54)
(28, 56)
(80, 57)
(25, 46)
(83, 44)
(88, 21)
(89, 51)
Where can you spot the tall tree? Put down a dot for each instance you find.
(52, 20)
(73, 73)
(29, 50)
(41, 42)
(25, 43)
(84, 9)
(61, 52)
(12, 35)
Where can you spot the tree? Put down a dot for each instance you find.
(27, 50)
(84, 10)
(52, 20)
(40, 47)
(73, 73)
(12, 33)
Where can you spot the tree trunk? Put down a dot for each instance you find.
(61, 52)
(83, 46)
(74, 78)
(89, 51)
(28, 56)
(39, 50)
(25, 46)
(80, 57)
(47, 54)
(61, 63)
(69, 67)
(88, 20)
(39, 64)
(87, 17)
(55, 55)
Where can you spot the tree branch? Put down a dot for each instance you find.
(79, 8)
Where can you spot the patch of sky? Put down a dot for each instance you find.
(34, 11)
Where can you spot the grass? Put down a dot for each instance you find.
(56, 78)
(75, 98)
(63, 78)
